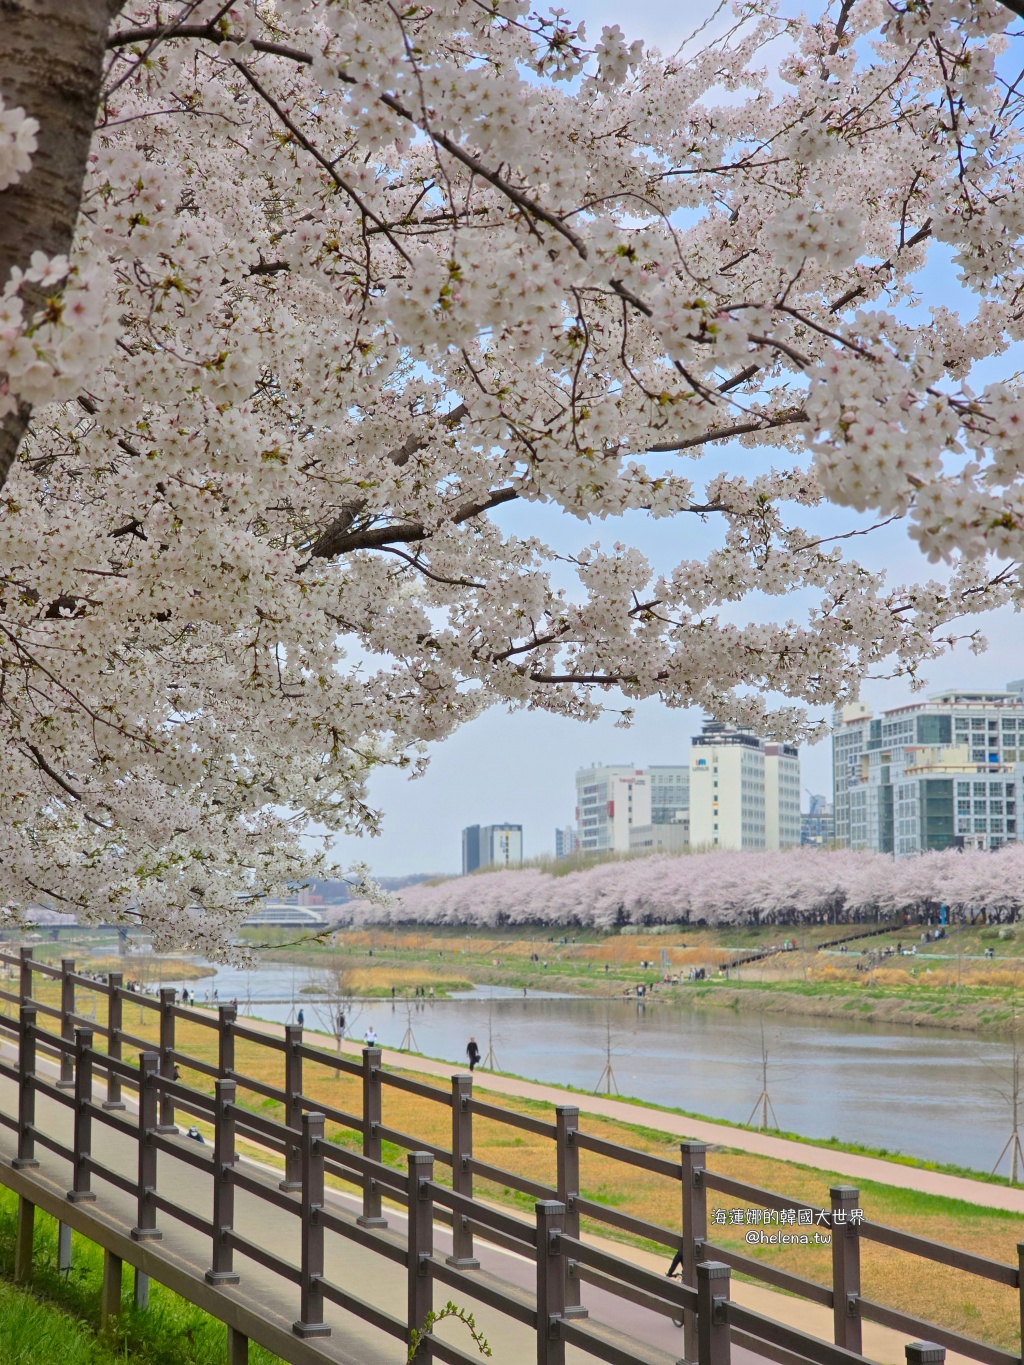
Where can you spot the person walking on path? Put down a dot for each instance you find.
(300, 1019)
(371, 1037)
(473, 1053)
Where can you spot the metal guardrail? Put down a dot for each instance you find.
(562, 1260)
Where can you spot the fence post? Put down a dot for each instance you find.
(226, 1016)
(371, 1216)
(24, 1239)
(1020, 1285)
(311, 1292)
(110, 1293)
(166, 1123)
(222, 1271)
(462, 1176)
(63, 1248)
(27, 1088)
(567, 1156)
(924, 1353)
(115, 980)
(551, 1280)
(81, 1190)
(67, 1023)
(238, 1347)
(421, 1249)
(845, 1267)
(145, 1229)
(293, 1106)
(25, 974)
(695, 1229)
(713, 1346)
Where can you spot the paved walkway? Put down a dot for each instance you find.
(371, 1278)
(847, 1164)
(380, 1281)
(880, 1343)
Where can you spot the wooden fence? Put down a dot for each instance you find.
(563, 1261)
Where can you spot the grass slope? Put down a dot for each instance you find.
(54, 1322)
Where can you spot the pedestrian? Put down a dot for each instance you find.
(341, 1023)
(300, 1019)
(473, 1053)
(371, 1037)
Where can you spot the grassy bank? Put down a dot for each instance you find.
(57, 1320)
(947, 983)
(951, 1298)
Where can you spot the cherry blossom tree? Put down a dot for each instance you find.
(298, 296)
(802, 885)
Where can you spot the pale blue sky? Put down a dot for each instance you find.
(521, 767)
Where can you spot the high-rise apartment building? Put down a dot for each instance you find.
(744, 793)
(491, 846)
(941, 773)
(609, 801)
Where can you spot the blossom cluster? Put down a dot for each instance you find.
(17, 143)
(349, 280)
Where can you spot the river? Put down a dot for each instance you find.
(933, 1094)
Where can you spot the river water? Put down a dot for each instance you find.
(934, 1094)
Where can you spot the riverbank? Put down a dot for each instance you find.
(973, 1214)
(865, 973)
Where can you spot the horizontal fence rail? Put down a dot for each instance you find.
(92, 1082)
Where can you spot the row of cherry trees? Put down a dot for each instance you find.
(796, 886)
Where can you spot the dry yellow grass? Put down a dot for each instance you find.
(363, 979)
(951, 1298)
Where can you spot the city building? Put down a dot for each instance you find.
(781, 795)
(670, 793)
(609, 802)
(567, 841)
(818, 826)
(491, 846)
(744, 792)
(673, 836)
(941, 773)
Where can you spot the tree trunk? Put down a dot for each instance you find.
(51, 65)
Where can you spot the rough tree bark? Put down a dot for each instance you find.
(51, 65)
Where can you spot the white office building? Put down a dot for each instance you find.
(781, 796)
(744, 793)
(609, 802)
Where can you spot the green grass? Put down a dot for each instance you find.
(55, 1322)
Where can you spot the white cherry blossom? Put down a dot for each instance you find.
(346, 280)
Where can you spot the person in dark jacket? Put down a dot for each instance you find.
(473, 1053)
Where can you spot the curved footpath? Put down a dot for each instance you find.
(848, 1164)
